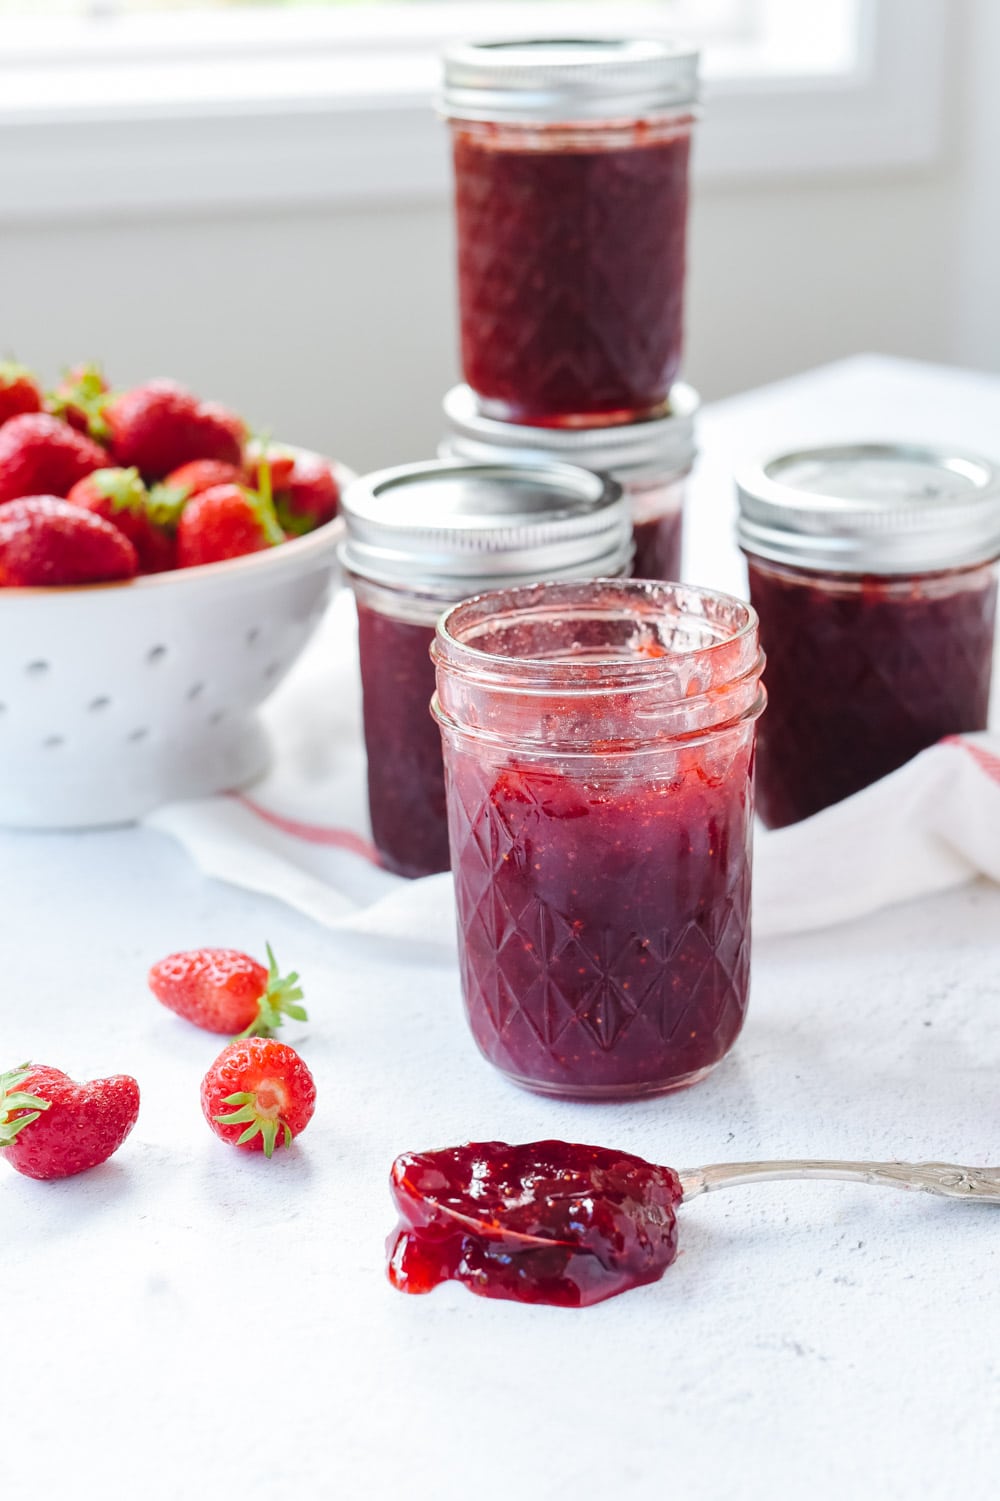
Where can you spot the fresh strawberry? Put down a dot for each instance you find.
(225, 522)
(202, 474)
(46, 541)
(19, 391)
(227, 419)
(80, 399)
(159, 426)
(119, 496)
(223, 990)
(52, 1127)
(308, 498)
(278, 462)
(258, 1094)
(39, 455)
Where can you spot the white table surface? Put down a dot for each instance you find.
(190, 1321)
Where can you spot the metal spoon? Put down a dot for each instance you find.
(980, 1184)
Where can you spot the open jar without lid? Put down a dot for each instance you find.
(420, 538)
(651, 460)
(873, 568)
(598, 741)
(571, 192)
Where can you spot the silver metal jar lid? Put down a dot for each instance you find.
(885, 508)
(454, 528)
(662, 445)
(567, 79)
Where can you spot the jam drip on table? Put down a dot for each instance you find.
(547, 1222)
(571, 275)
(861, 677)
(406, 797)
(605, 927)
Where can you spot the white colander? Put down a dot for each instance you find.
(116, 698)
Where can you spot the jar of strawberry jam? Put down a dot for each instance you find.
(598, 745)
(873, 568)
(651, 460)
(571, 195)
(420, 538)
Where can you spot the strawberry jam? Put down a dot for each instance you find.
(862, 674)
(598, 756)
(658, 547)
(873, 567)
(405, 775)
(571, 259)
(547, 1222)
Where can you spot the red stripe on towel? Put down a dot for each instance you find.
(310, 833)
(984, 759)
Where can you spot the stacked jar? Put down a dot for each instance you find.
(421, 538)
(571, 192)
(651, 461)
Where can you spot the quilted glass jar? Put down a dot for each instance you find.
(420, 538)
(651, 460)
(598, 745)
(571, 198)
(873, 570)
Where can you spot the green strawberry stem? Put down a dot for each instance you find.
(263, 499)
(12, 370)
(164, 505)
(295, 523)
(123, 487)
(278, 1001)
(259, 1119)
(12, 1097)
(88, 395)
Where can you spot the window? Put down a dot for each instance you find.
(152, 104)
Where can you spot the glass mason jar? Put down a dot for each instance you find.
(873, 571)
(651, 460)
(598, 745)
(571, 196)
(420, 538)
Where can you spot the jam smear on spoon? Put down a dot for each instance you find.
(546, 1222)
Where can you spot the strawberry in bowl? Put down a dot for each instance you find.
(151, 596)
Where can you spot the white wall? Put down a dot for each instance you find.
(337, 329)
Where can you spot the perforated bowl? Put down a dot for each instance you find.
(116, 698)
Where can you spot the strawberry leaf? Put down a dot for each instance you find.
(267, 1126)
(123, 487)
(12, 1098)
(279, 1000)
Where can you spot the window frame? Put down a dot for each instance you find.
(338, 109)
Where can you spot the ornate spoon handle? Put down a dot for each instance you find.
(981, 1184)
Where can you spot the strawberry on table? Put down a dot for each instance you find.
(19, 391)
(258, 1094)
(159, 425)
(39, 455)
(308, 497)
(224, 990)
(226, 521)
(45, 541)
(120, 497)
(52, 1127)
(80, 399)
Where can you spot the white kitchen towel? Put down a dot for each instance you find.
(300, 835)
